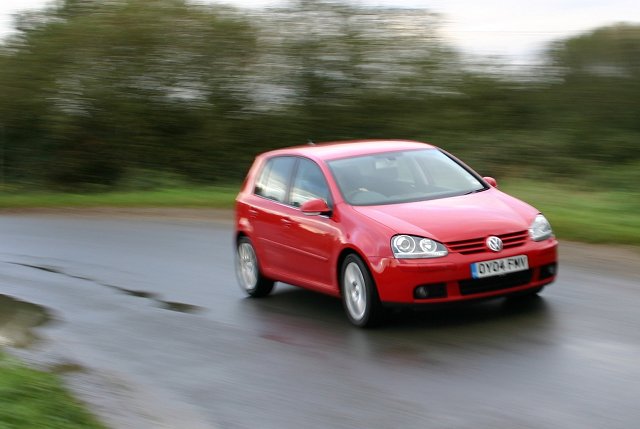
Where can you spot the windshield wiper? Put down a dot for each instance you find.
(475, 191)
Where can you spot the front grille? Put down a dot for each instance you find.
(489, 284)
(477, 245)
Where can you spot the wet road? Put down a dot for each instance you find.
(148, 324)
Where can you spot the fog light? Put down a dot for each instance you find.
(422, 292)
(435, 290)
(547, 271)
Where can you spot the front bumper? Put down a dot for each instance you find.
(449, 279)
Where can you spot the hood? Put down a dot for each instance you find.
(490, 212)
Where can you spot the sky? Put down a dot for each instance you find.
(513, 29)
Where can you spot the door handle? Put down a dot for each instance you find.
(253, 213)
(286, 222)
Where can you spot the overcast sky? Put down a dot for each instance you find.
(515, 28)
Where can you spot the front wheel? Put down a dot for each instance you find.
(359, 294)
(250, 279)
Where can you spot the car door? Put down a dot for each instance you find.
(310, 240)
(269, 213)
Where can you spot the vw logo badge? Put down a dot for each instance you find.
(494, 243)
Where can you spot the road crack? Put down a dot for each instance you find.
(160, 303)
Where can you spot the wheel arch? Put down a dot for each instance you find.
(239, 235)
(341, 257)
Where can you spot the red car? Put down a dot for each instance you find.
(386, 222)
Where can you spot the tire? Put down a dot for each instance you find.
(359, 293)
(248, 274)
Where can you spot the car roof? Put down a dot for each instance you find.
(344, 149)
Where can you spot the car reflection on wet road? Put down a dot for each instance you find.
(565, 360)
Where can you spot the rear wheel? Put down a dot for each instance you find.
(359, 294)
(250, 279)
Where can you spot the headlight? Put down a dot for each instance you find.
(412, 247)
(540, 229)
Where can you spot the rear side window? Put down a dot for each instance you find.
(274, 178)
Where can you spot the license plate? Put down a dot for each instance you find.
(497, 267)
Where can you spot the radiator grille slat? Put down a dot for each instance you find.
(477, 245)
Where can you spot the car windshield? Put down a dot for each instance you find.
(402, 176)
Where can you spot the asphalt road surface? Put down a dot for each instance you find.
(145, 320)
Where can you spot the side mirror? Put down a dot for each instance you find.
(315, 207)
(491, 181)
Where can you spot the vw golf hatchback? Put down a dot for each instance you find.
(388, 222)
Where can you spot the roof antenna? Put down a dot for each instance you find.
(310, 142)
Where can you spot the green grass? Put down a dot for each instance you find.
(579, 214)
(32, 399)
(209, 196)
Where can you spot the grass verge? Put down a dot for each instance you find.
(209, 196)
(578, 214)
(36, 399)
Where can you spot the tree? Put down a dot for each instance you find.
(597, 94)
(95, 89)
